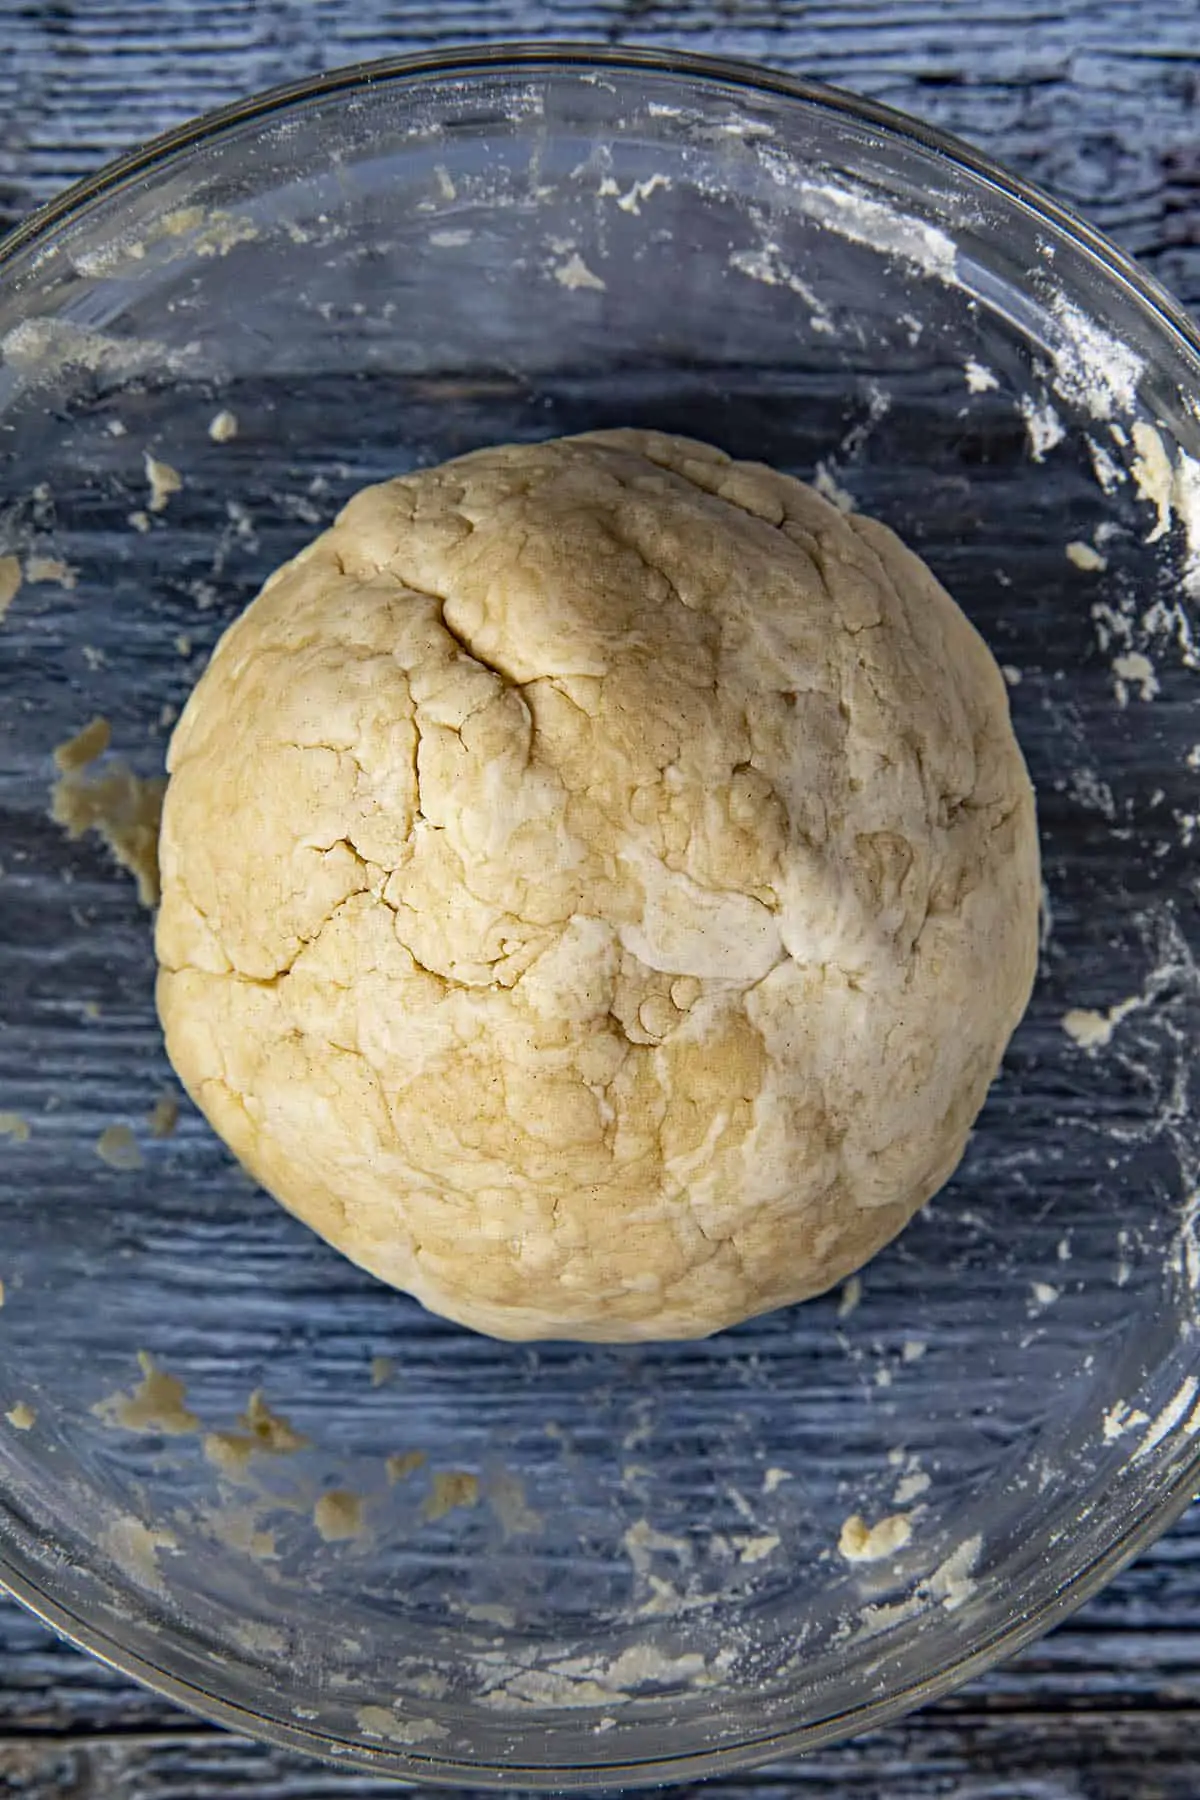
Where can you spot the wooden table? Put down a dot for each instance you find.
(1097, 100)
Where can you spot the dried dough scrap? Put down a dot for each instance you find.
(599, 883)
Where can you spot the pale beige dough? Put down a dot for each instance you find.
(599, 881)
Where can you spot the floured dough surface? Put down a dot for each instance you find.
(599, 880)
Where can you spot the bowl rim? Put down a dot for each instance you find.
(1164, 1507)
(567, 55)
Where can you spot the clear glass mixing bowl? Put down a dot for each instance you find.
(612, 1564)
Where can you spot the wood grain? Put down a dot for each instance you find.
(1099, 101)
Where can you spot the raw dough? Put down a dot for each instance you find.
(599, 883)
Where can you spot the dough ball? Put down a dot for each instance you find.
(599, 883)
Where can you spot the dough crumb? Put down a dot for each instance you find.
(262, 1432)
(229, 1452)
(756, 1549)
(1092, 1030)
(979, 377)
(775, 1478)
(14, 1126)
(574, 273)
(118, 1147)
(124, 809)
(50, 568)
(338, 1515)
(272, 1430)
(860, 1542)
(381, 1722)
(1153, 476)
(850, 1297)
(951, 1582)
(910, 1488)
(1120, 1418)
(164, 1116)
(223, 426)
(1132, 666)
(383, 1368)
(117, 428)
(1084, 556)
(22, 1416)
(1011, 674)
(1043, 426)
(451, 1488)
(642, 190)
(10, 582)
(156, 1403)
(84, 748)
(913, 1349)
(1088, 1028)
(404, 1463)
(164, 481)
(140, 520)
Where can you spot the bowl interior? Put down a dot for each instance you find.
(458, 1556)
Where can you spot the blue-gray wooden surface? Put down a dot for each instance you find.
(1099, 101)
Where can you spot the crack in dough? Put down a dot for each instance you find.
(599, 883)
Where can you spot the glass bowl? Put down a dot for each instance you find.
(230, 1462)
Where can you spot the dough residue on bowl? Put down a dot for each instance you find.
(338, 1515)
(134, 1546)
(123, 809)
(450, 1488)
(860, 1542)
(118, 1147)
(164, 1116)
(403, 1463)
(383, 1722)
(262, 1432)
(163, 479)
(1091, 1029)
(155, 1404)
(50, 569)
(10, 582)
